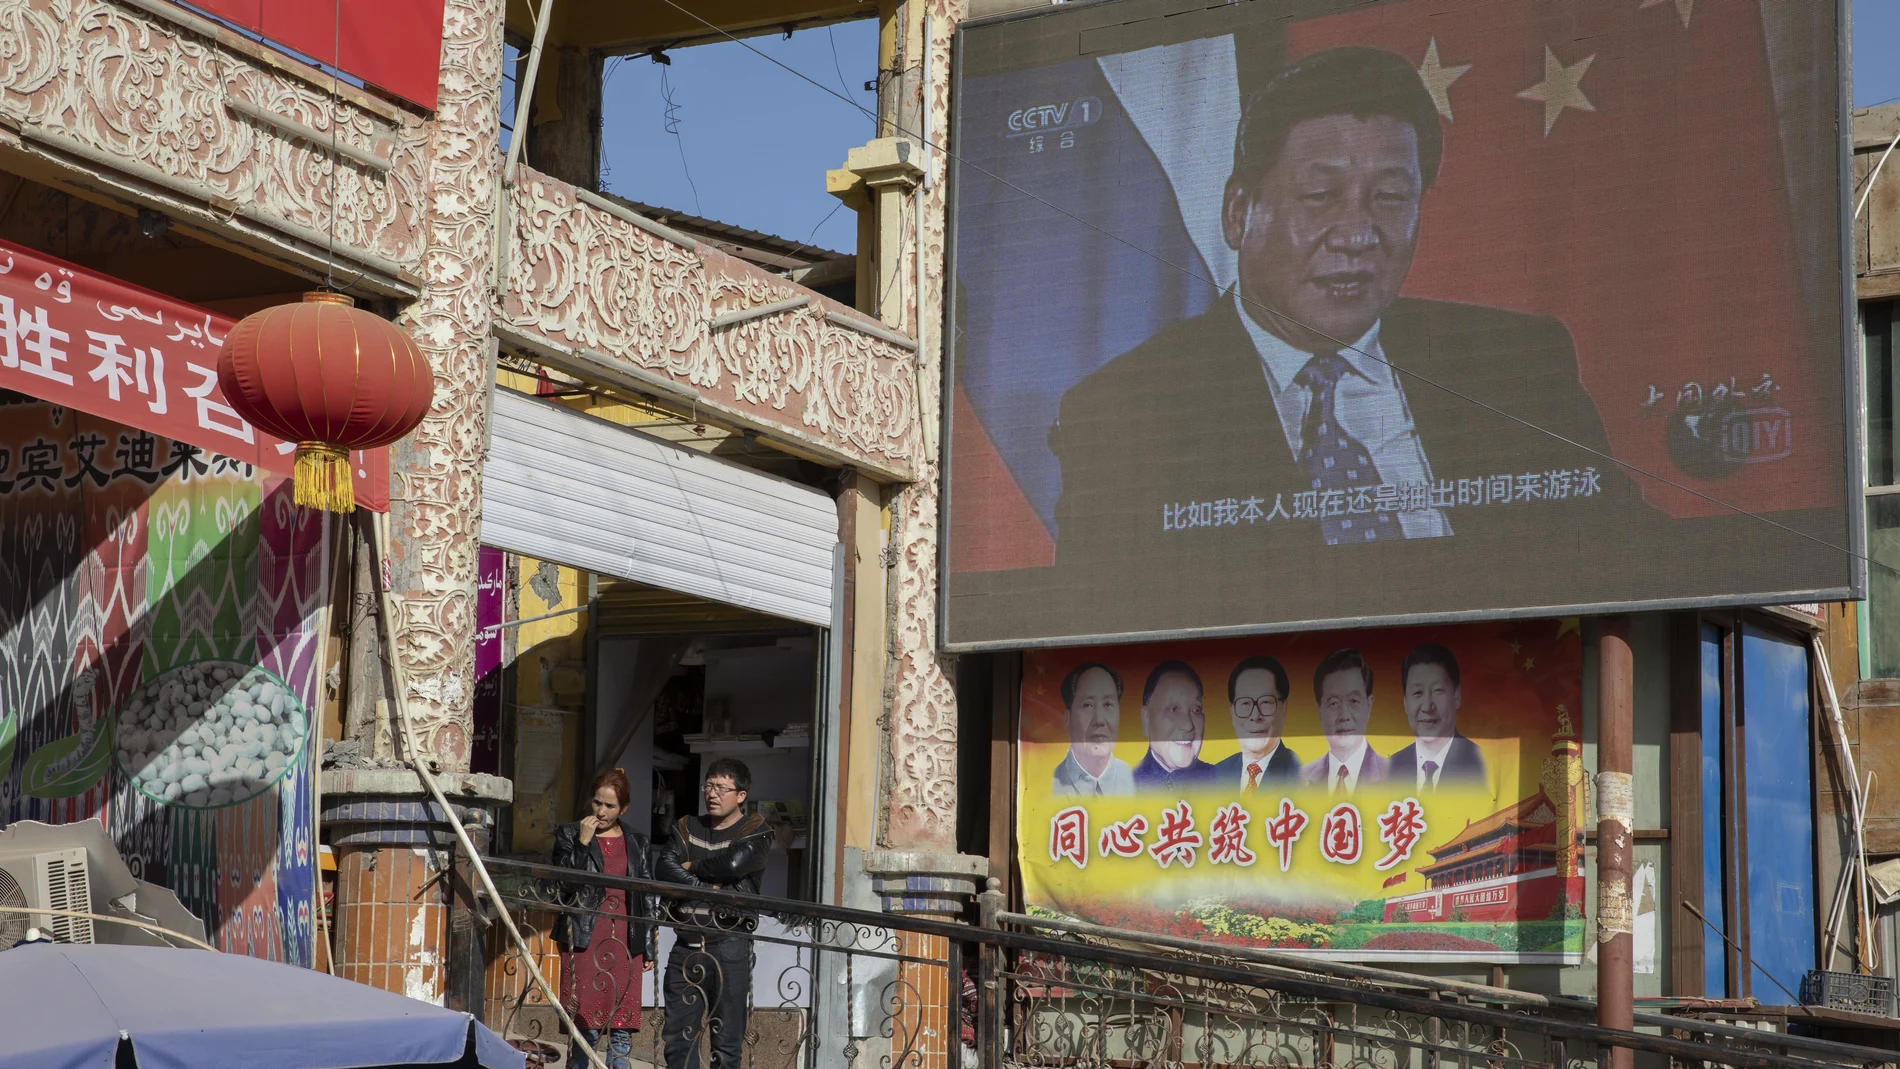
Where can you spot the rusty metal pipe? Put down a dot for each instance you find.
(1616, 1002)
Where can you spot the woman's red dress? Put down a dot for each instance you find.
(600, 986)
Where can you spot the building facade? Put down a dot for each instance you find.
(680, 495)
(228, 172)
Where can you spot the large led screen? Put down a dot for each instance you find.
(1305, 313)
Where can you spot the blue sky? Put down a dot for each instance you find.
(1876, 59)
(753, 141)
(757, 140)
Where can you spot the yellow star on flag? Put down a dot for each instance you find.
(1683, 8)
(1561, 88)
(1438, 78)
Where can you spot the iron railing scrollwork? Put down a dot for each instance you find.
(838, 987)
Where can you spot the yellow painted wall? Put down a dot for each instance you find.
(550, 695)
(866, 740)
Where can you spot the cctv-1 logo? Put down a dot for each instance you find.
(1043, 118)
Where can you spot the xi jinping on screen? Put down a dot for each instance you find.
(1287, 392)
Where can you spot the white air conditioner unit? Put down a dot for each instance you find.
(45, 879)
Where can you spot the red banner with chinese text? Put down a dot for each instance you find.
(97, 345)
(1399, 795)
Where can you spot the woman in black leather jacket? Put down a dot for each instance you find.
(604, 952)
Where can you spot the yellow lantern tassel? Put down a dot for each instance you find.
(322, 477)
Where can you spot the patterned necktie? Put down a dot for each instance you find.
(1334, 460)
(1343, 773)
(1431, 773)
(1253, 778)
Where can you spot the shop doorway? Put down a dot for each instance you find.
(678, 682)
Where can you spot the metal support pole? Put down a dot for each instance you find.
(518, 139)
(991, 1001)
(468, 935)
(1615, 816)
(524, 93)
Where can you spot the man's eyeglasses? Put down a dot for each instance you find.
(720, 789)
(1256, 708)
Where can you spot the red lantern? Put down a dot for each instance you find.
(330, 377)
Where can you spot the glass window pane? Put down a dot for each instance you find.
(1780, 807)
(1883, 585)
(1714, 951)
(1877, 334)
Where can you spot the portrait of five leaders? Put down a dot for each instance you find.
(1174, 722)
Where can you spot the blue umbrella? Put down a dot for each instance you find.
(70, 1007)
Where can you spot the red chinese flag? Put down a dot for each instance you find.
(1619, 166)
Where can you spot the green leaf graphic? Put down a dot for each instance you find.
(9, 731)
(69, 766)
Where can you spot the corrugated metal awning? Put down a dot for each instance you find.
(569, 488)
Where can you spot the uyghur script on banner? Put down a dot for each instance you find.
(1397, 795)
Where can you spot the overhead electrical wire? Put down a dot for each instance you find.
(670, 119)
(813, 236)
(1343, 346)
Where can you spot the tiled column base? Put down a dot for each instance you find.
(394, 846)
(392, 918)
(927, 1025)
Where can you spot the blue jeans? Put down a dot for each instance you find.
(619, 1048)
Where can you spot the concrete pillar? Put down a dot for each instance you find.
(916, 700)
(916, 871)
(899, 181)
(877, 181)
(860, 691)
(391, 918)
(1615, 816)
(393, 889)
(938, 887)
(392, 847)
(564, 133)
(920, 811)
(435, 513)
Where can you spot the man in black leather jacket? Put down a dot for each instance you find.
(707, 969)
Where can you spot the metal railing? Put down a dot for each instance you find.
(836, 987)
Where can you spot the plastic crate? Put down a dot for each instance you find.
(1848, 991)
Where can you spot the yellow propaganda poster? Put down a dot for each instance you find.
(1400, 795)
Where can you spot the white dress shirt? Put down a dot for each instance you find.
(1369, 403)
(1429, 781)
(1352, 764)
(1071, 778)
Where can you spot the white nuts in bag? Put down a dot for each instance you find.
(210, 734)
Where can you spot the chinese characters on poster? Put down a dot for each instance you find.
(1408, 794)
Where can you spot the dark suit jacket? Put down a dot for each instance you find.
(1188, 416)
(1150, 776)
(1373, 768)
(1283, 766)
(1464, 763)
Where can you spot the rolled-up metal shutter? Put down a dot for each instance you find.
(569, 488)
